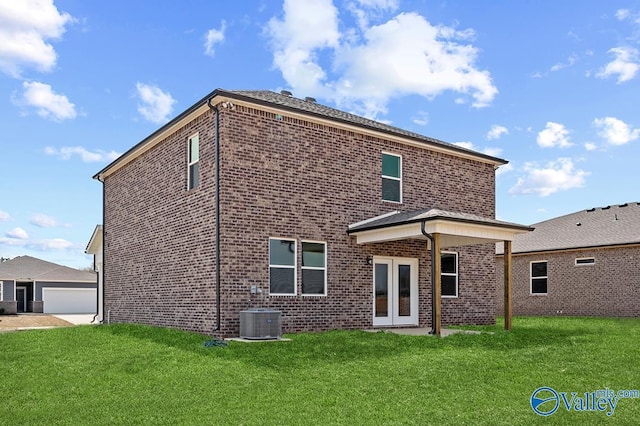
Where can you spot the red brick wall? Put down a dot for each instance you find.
(609, 288)
(279, 178)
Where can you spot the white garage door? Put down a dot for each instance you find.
(69, 300)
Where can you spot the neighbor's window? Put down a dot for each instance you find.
(449, 274)
(585, 261)
(282, 266)
(391, 177)
(539, 277)
(314, 268)
(194, 157)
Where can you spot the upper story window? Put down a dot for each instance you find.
(391, 177)
(314, 268)
(449, 274)
(539, 277)
(585, 261)
(282, 266)
(194, 157)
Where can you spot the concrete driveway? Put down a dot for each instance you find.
(76, 319)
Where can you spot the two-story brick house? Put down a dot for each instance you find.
(259, 199)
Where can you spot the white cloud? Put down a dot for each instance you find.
(504, 169)
(615, 131)
(496, 132)
(622, 14)
(65, 153)
(558, 175)
(487, 150)
(26, 26)
(214, 37)
(43, 221)
(560, 65)
(554, 134)
(18, 234)
(48, 104)
(50, 244)
(156, 105)
(4, 216)
(368, 66)
(590, 146)
(625, 65)
(421, 118)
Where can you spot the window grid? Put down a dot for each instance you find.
(274, 266)
(539, 277)
(450, 274)
(395, 177)
(322, 268)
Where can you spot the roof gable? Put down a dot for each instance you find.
(27, 268)
(595, 227)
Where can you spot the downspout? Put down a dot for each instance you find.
(217, 215)
(433, 275)
(104, 243)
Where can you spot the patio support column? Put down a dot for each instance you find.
(437, 290)
(508, 281)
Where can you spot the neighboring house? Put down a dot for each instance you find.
(95, 247)
(28, 284)
(585, 264)
(259, 199)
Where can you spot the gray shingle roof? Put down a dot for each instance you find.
(314, 108)
(401, 218)
(596, 227)
(27, 268)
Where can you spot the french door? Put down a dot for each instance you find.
(395, 291)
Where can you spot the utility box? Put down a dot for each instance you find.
(260, 324)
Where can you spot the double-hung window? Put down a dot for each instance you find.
(282, 266)
(539, 277)
(314, 268)
(194, 158)
(449, 274)
(391, 177)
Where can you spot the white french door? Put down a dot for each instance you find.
(395, 291)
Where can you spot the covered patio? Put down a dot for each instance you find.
(443, 229)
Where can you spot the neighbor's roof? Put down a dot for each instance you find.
(307, 106)
(595, 227)
(27, 268)
(425, 215)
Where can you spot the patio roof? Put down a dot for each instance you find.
(456, 229)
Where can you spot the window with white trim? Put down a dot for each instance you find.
(449, 274)
(585, 261)
(282, 266)
(391, 177)
(314, 268)
(539, 277)
(193, 163)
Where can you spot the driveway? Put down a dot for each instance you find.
(35, 321)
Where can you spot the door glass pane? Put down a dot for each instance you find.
(382, 289)
(404, 290)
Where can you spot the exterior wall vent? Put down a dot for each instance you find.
(260, 324)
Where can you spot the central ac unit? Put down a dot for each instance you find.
(260, 324)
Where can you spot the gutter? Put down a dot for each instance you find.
(433, 275)
(217, 215)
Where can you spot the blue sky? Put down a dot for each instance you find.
(553, 88)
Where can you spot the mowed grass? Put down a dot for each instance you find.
(133, 374)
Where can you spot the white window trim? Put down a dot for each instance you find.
(191, 163)
(531, 278)
(449, 274)
(393, 177)
(294, 266)
(314, 268)
(591, 263)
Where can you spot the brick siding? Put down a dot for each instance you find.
(608, 288)
(280, 177)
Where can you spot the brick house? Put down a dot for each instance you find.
(259, 199)
(585, 263)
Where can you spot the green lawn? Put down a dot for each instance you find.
(126, 374)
